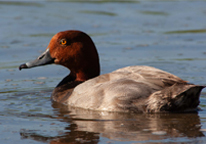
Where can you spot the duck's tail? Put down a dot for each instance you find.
(176, 98)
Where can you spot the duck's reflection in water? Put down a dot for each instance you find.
(86, 126)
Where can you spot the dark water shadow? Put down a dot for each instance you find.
(21, 3)
(98, 13)
(98, 1)
(186, 31)
(85, 126)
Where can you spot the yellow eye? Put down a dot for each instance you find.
(63, 42)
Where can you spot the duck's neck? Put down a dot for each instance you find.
(68, 79)
(79, 76)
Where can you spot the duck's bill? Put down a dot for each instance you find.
(44, 59)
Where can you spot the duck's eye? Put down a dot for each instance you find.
(63, 42)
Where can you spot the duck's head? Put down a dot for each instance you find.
(72, 49)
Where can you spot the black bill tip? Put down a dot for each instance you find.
(22, 66)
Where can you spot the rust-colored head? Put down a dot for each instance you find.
(74, 50)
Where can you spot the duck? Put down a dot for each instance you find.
(132, 89)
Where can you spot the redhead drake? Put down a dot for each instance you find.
(140, 89)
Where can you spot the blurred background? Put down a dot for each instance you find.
(166, 34)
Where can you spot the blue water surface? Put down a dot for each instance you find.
(170, 35)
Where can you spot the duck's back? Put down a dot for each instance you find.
(134, 88)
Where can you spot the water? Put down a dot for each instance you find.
(169, 35)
